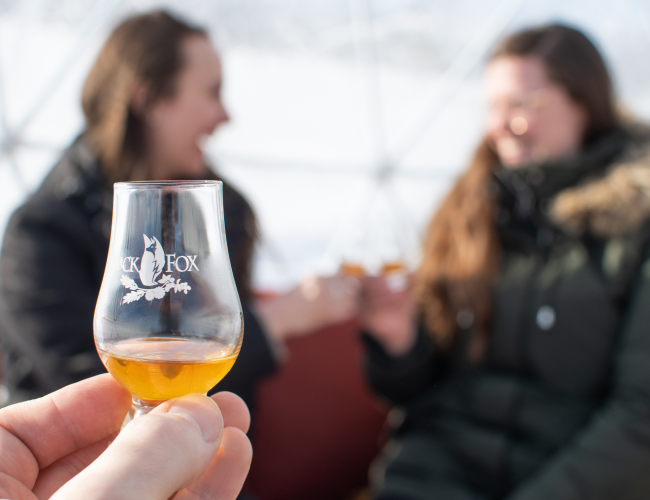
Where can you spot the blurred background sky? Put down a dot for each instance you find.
(333, 103)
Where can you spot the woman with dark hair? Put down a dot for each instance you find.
(522, 364)
(150, 99)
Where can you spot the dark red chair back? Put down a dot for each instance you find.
(317, 424)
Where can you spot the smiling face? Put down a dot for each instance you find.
(531, 118)
(176, 126)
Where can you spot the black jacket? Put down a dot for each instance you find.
(559, 406)
(51, 269)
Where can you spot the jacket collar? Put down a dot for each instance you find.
(604, 191)
(611, 205)
(527, 191)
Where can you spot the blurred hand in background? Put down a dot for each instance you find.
(315, 303)
(387, 313)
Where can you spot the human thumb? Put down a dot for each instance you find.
(155, 455)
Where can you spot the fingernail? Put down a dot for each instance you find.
(202, 412)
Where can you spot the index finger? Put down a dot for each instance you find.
(234, 410)
(67, 420)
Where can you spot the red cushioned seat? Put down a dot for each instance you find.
(317, 425)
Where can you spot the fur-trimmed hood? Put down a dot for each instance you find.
(609, 206)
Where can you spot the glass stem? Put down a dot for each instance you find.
(137, 409)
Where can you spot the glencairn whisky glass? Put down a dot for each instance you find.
(168, 320)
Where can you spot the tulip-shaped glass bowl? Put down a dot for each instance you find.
(168, 320)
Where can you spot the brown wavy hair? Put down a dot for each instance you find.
(148, 49)
(462, 251)
(143, 49)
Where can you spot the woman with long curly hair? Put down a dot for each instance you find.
(521, 361)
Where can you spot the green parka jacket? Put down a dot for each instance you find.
(559, 406)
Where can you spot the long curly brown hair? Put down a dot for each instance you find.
(462, 250)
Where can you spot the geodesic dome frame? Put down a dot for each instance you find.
(331, 99)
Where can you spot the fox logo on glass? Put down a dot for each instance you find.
(151, 265)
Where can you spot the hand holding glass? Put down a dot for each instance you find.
(168, 320)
